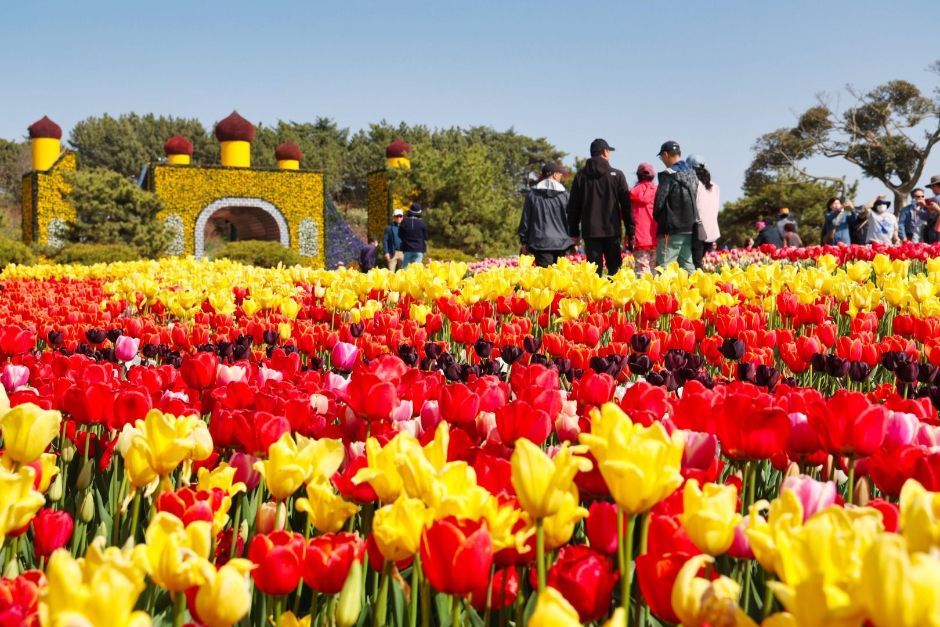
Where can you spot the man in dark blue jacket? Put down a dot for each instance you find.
(414, 236)
(391, 242)
(674, 209)
(543, 227)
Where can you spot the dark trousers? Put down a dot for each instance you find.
(545, 258)
(601, 249)
(698, 251)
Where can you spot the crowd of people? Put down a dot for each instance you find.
(669, 216)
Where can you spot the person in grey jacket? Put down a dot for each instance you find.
(543, 227)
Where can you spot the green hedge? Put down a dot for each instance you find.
(12, 251)
(258, 253)
(448, 254)
(89, 254)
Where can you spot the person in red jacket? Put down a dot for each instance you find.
(641, 201)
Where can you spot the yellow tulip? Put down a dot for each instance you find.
(221, 477)
(4, 401)
(920, 516)
(137, 466)
(226, 597)
(698, 601)
(500, 520)
(397, 528)
(382, 471)
(540, 298)
(289, 619)
(27, 431)
(166, 440)
(560, 525)
(709, 515)
(81, 592)
(290, 464)
(571, 308)
(176, 556)
(764, 535)
(19, 502)
(640, 465)
(48, 464)
(541, 482)
(553, 610)
(326, 510)
(419, 313)
(898, 588)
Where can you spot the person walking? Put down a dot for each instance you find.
(791, 239)
(599, 202)
(708, 203)
(768, 234)
(674, 209)
(367, 255)
(414, 236)
(932, 228)
(391, 241)
(837, 223)
(642, 197)
(543, 227)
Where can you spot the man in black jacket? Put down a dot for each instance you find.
(543, 228)
(414, 236)
(600, 200)
(674, 209)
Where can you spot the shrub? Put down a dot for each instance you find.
(12, 251)
(258, 253)
(89, 254)
(448, 254)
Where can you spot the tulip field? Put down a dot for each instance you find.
(205, 443)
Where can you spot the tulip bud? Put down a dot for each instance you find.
(102, 531)
(67, 452)
(862, 493)
(84, 476)
(793, 470)
(86, 511)
(12, 569)
(270, 516)
(55, 490)
(350, 597)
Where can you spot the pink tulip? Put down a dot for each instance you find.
(344, 355)
(814, 495)
(336, 383)
(125, 348)
(700, 449)
(245, 472)
(430, 415)
(14, 377)
(901, 430)
(927, 435)
(268, 374)
(741, 546)
(229, 374)
(402, 411)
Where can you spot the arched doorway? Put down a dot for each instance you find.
(240, 219)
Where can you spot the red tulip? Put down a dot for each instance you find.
(456, 555)
(52, 529)
(849, 424)
(749, 425)
(890, 513)
(601, 526)
(328, 560)
(369, 396)
(19, 599)
(279, 557)
(645, 403)
(503, 594)
(459, 405)
(190, 505)
(656, 574)
(198, 371)
(519, 419)
(585, 577)
(594, 388)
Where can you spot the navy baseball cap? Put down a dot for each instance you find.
(669, 146)
(551, 168)
(600, 145)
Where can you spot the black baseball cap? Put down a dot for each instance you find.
(600, 145)
(551, 168)
(669, 146)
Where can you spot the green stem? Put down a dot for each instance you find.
(381, 601)
(489, 595)
(278, 608)
(747, 586)
(179, 608)
(135, 515)
(751, 482)
(850, 495)
(768, 599)
(415, 584)
(540, 552)
(455, 614)
(236, 522)
(626, 574)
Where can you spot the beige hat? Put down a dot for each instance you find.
(398, 212)
(934, 180)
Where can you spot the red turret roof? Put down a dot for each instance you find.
(288, 150)
(178, 145)
(398, 148)
(45, 128)
(234, 128)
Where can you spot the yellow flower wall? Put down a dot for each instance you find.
(378, 203)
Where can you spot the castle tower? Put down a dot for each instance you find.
(396, 155)
(45, 136)
(288, 156)
(178, 150)
(235, 135)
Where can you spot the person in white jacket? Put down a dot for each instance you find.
(707, 200)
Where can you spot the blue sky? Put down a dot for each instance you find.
(713, 75)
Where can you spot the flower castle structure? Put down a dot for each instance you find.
(286, 204)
